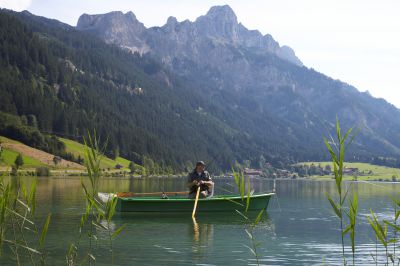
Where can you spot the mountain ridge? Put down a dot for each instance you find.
(204, 99)
(80, 83)
(218, 55)
(219, 23)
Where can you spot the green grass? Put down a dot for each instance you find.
(78, 149)
(378, 172)
(8, 158)
(123, 161)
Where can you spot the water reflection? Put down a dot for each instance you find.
(203, 235)
(299, 228)
(196, 230)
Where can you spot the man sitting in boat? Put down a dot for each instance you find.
(200, 177)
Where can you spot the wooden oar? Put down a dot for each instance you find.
(195, 202)
(131, 194)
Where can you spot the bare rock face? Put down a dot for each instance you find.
(251, 72)
(285, 52)
(218, 26)
(215, 44)
(118, 28)
(220, 23)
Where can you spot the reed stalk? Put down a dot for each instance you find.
(337, 149)
(17, 215)
(97, 215)
(251, 224)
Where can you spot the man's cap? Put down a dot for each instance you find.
(200, 163)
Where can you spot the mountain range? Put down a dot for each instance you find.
(209, 89)
(223, 56)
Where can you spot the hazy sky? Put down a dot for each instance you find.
(356, 41)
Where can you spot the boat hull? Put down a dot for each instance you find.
(214, 204)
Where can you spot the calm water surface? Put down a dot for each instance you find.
(300, 228)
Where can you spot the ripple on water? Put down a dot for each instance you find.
(323, 254)
(301, 231)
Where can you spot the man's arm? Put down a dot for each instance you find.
(208, 181)
(191, 182)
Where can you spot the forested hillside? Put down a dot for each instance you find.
(65, 82)
(264, 89)
(57, 80)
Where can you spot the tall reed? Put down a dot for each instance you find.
(98, 214)
(382, 233)
(19, 231)
(251, 223)
(337, 148)
(395, 227)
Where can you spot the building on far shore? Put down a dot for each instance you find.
(252, 172)
(350, 170)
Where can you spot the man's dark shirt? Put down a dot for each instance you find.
(204, 176)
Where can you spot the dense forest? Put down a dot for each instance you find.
(244, 80)
(61, 82)
(65, 83)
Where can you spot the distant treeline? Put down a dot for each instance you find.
(311, 170)
(59, 81)
(70, 83)
(38, 81)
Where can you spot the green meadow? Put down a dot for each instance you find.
(366, 171)
(8, 157)
(78, 149)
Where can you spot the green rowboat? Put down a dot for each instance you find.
(222, 203)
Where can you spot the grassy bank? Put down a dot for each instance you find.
(8, 157)
(34, 158)
(78, 149)
(366, 172)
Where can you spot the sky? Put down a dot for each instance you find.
(356, 41)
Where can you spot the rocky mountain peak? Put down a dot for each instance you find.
(288, 54)
(115, 19)
(220, 22)
(172, 20)
(116, 27)
(171, 24)
(222, 13)
(131, 15)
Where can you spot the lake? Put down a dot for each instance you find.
(300, 228)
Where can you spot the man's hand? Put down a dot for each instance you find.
(196, 183)
(201, 182)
